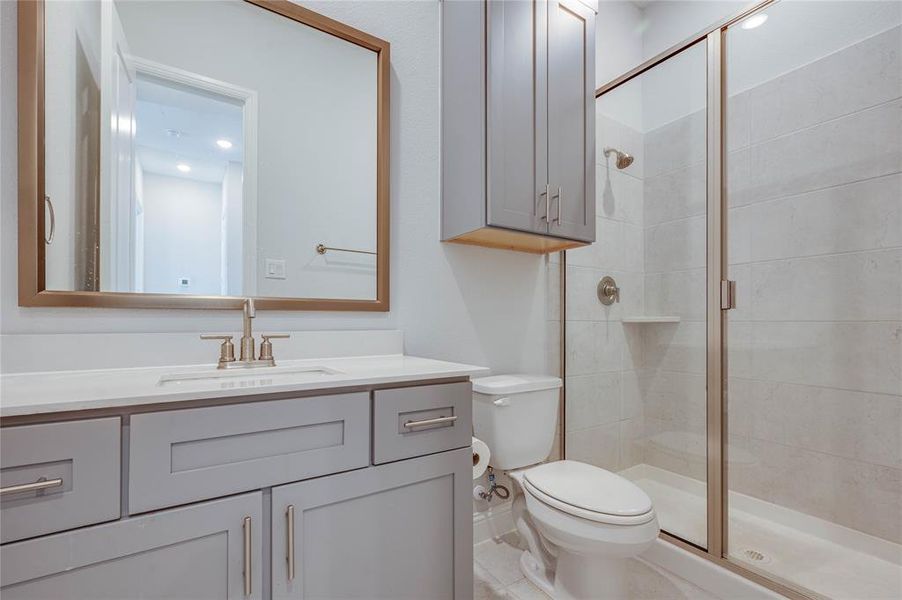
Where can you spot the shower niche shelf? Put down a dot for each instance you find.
(658, 319)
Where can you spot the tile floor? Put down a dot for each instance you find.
(497, 576)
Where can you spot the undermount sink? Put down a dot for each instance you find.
(249, 377)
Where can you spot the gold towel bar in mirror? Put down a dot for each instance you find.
(322, 249)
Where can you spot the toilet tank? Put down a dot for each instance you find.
(516, 415)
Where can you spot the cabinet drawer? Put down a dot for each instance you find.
(75, 466)
(421, 420)
(187, 455)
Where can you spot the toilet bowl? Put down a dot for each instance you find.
(580, 522)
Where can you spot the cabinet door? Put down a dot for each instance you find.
(401, 530)
(211, 550)
(516, 115)
(571, 119)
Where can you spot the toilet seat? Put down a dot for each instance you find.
(588, 492)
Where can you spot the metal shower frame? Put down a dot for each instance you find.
(716, 317)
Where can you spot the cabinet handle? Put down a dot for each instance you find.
(247, 556)
(290, 518)
(428, 422)
(31, 487)
(547, 202)
(560, 199)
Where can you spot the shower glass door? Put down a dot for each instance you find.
(813, 107)
(636, 370)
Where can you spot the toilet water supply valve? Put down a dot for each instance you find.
(495, 489)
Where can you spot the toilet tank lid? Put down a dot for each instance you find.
(515, 383)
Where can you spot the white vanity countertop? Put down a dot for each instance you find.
(58, 391)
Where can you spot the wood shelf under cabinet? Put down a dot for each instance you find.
(506, 239)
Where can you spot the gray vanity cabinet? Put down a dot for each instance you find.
(340, 495)
(395, 531)
(518, 124)
(209, 550)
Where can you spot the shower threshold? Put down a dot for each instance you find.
(827, 558)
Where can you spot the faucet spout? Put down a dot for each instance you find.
(247, 337)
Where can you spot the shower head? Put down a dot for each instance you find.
(623, 159)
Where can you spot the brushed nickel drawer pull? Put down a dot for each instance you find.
(31, 487)
(247, 556)
(290, 557)
(428, 422)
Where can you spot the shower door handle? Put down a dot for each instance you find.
(48, 238)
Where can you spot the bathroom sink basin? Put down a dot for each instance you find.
(261, 376)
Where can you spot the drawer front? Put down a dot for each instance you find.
(58, 476)
(421, 420)
(187, 455)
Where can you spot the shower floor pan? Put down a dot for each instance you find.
(827, 558)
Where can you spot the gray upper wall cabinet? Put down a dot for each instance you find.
(518, 124)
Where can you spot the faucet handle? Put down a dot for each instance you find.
(266, 346)
(226, 349)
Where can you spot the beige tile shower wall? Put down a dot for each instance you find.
(672, 375)
(604, 418)
(815, 244)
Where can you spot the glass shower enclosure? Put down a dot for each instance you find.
(750, 378)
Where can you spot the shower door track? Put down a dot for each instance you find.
(717, 265)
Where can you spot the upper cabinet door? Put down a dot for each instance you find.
(571, 119)
(516, 115)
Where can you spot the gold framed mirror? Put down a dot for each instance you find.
(193, 154)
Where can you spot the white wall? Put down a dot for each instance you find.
(182, 235)
(618, 39)
(669, 22)
(453, 302)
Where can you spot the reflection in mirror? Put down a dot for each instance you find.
(207, 148)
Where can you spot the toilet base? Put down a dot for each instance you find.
(535, 573)
(579, 577)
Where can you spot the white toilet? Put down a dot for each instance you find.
(579, 521)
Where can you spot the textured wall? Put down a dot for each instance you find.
(468, 304)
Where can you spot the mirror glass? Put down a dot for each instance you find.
(208, 148)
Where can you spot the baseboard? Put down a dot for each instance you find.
(492, 523)
(712, 578)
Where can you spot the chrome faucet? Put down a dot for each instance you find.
(247, 358)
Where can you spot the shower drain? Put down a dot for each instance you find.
(755, 556)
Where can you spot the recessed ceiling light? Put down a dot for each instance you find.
(224, 144)
(183, 167)
(754, 21)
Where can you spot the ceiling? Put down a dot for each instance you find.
(178, 124)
